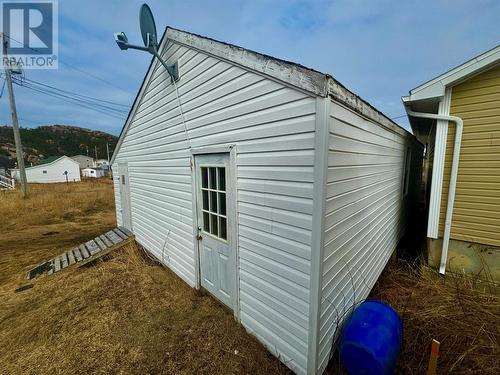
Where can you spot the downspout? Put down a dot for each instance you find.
(459, 124)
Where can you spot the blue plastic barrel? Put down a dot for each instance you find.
(371, 339)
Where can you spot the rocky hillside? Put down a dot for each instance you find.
(53, 140)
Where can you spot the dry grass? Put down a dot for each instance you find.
(456, 310)
(125, 315)
(129, 315)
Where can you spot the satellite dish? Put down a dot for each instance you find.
(148, 31)
(148, 27)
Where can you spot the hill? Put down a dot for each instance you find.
(53, 140)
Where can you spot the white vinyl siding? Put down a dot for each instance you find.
(54, 172)
(364, 214)
(273, 128)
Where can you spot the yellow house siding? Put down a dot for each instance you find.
(476, 214)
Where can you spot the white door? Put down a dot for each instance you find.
(125, 196)
(216, 245)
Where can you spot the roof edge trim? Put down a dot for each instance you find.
(291, 73)
(436, 87)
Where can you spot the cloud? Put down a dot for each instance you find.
(378, 49)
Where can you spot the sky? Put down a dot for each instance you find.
(379, 49)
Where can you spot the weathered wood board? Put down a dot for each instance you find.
(86, 252)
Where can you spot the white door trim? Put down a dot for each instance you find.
(125, 195)
(232, 214)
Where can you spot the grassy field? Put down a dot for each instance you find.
(130, 315)
(125, 315)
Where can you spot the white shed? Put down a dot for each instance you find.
(276, 189)
(92, 172)
(50, 170)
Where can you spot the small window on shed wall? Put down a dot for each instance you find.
(406, 172)
(44, 171)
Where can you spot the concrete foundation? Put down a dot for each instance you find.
(471, 258)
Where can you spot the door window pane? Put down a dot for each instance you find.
(204, 177)
(223, 228)
(214, 225)
(212, 179)
(222, 202)
(206, 222)
(205, 199)
(222, 179)
(213, 200)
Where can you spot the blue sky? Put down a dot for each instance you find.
(378, 49)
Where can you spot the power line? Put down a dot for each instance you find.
(395, 118)
(75, 97)
(73, 93)
(76, 101)
(71, 66)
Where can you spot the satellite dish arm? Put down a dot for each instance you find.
(173, 70)
(151, 47)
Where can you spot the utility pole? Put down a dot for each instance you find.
(107, 150)
(95, 150)
(15, 123)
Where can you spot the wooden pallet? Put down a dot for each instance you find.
(85, 253)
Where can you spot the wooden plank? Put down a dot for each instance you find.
(92, 247)
(120, 233)
(78, 254)
(431, 370)
(126, 231)
(113, 237)
(107, 251)
(71, 257)
(104, 239)
(57, 264)
(64, 260)
(84, 251)
(100, 243)
(51, 271)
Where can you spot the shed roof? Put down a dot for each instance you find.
(48, 160)
(51, 160)
(290, 73)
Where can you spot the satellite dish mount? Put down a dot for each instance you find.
(149, 37)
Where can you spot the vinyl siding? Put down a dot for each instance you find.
(365, 212)
(273, 128)
(54, 172)
(476, 212)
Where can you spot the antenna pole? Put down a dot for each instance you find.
(15, 122)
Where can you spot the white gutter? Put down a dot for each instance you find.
(453, 178)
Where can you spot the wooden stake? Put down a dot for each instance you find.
(433, 358)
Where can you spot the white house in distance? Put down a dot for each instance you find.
(276, 189)
(84, 161)
(92, 172)
(51, 170)
(103, 164)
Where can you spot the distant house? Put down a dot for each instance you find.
(102, 163)
(463, 235)
(84, 161)
(92, 172)
(51, 170)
